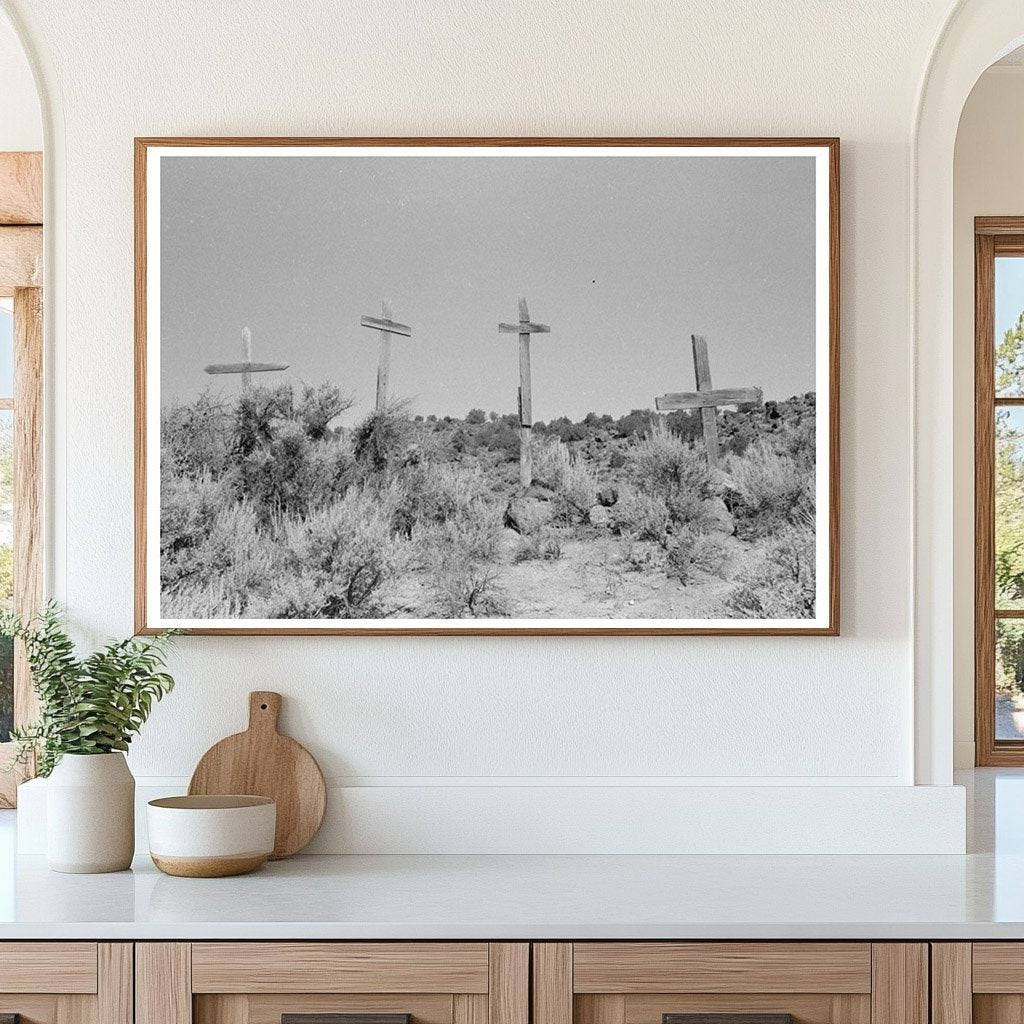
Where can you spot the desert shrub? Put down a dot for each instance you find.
(662, 463)
(316, 407)
(778, 581)
(689, 551)
(637, 423)
(197, 437)
(665, 467)
(772, 488)
(189, 506)
(637, 557)
(443, 493)
(381, 441)
(294, 474)
(550, 461)
(540, 547)
(462, 590)
(500, 435)
(257, 413)
(339, 557)
(224, 570)
(570, 477)
(710, 553)
(469, 540)
(462, 573)
(642, 516)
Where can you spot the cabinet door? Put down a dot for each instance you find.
(66, 982)
(737, 982)
(980, 982)
(332, 983)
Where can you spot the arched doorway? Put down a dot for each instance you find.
(976, 34)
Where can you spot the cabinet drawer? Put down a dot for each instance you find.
(48, 967)
(66, 982)
(263, 982)
(736, 982)
(630, 967)
(340, 967)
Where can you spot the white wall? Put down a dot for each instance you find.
(443, 713)
(988, 181)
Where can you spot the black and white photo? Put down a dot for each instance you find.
(454, 387)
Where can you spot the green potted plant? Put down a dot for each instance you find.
(89, 710)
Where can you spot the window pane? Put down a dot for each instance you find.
(1009, 324)
(1009, 679)
(1009, 483)
(6, 349)
(6, 567)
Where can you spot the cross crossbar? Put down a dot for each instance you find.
(248, 366)
(704, 399)
(245, 367)
(382, 324)
(523, 328)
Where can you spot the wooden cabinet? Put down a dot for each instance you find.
(66, 982)
(980, 982)
(494, 983)
(647, 982)
(260, 982)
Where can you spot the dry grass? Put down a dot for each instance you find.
(271, 510)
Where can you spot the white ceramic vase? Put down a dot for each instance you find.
(90, 814)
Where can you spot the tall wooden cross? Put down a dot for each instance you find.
(705, 399)
(524, 329)
(246, 367)
(387, 327)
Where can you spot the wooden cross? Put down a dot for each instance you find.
(524, 329)
(246, 367)
(705, 399)
(387, 327)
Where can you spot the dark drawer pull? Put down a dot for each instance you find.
(728, 1018)
(340, 1018)
(10, 1018)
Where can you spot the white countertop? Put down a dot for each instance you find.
(978, 896)
(532, 897)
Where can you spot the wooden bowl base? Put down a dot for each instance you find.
(210, 867)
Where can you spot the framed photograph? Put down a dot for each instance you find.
(487, 386)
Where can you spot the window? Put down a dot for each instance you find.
(21, 366)
(999, 490)
(6, 510)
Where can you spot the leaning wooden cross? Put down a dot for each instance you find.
(524, 329)
(705, 399)
(246, 367)
(387, 327)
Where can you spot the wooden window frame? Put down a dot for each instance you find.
(21, 270)
(993, 237)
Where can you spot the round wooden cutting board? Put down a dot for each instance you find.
(262, 762)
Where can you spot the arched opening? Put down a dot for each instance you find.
(977, 33)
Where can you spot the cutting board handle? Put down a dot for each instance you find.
(264, 710)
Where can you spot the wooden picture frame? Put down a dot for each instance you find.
(825, 620)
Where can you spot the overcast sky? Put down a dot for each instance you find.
(624, 257)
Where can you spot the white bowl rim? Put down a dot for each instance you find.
(212, 802)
